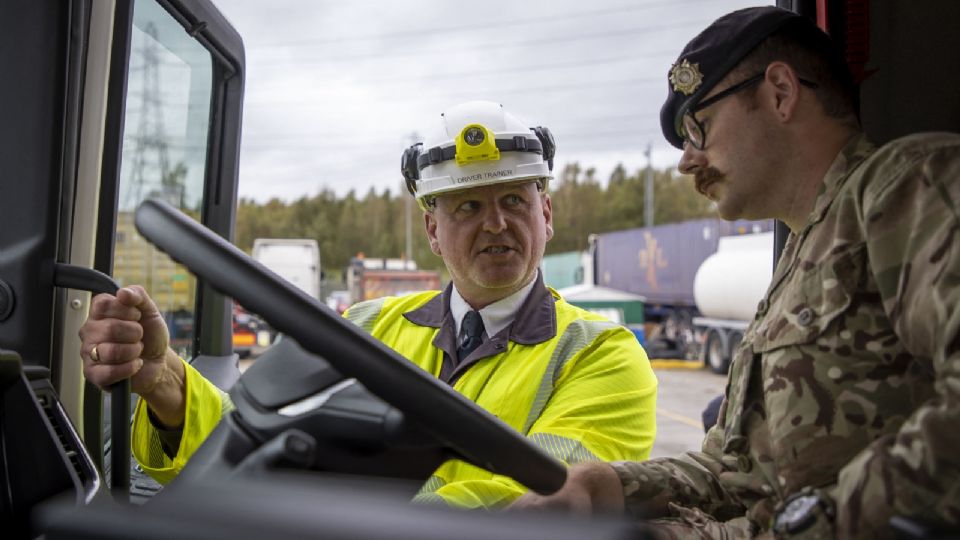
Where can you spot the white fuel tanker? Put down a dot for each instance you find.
(727, 288)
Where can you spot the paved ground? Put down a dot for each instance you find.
(683, 394)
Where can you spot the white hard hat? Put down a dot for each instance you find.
(478, 144)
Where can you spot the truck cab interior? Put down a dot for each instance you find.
(331, 436)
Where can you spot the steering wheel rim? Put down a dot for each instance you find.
(350, 350)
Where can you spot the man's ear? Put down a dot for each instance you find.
(548, 215)
(786, 89)
(430, 224)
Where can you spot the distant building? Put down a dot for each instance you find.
(136, 261)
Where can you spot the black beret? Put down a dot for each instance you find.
(708, 58)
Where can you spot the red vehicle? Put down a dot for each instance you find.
(250, 332)
(369, 278)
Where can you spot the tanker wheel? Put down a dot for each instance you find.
(715, 355)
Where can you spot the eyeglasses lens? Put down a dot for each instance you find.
(692, 131)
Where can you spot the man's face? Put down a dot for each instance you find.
(736, 168)
(491, 238)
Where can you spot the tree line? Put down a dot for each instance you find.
(375, 223)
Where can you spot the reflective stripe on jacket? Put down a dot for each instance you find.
(584, 391)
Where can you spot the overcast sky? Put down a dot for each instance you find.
(335, 90)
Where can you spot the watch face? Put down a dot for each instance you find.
(798, 514)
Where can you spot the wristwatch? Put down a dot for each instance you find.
(809, 513)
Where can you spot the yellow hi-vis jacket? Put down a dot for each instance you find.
(579, 386)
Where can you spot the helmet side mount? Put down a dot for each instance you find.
(546, 141)
(408, 166)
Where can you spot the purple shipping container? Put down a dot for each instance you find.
(660, 262)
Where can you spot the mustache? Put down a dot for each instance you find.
(705, 177)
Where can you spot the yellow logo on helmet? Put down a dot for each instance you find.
(475, 143)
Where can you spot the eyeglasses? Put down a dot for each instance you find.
(693, 130)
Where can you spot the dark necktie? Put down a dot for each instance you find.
(471, 332)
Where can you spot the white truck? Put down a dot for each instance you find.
(296, 260)
(727, 288)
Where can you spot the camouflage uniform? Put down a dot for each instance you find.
(848, 378)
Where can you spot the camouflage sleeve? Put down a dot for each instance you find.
(689, 480)
(911, 220)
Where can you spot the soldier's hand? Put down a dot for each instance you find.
(125, 337)
(591, 488)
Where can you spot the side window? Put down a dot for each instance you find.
(168, 107)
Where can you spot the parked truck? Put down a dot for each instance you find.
(726, 289)
(296, 260)
(660, 263)
(369, 278)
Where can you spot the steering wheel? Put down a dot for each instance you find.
(458, 423)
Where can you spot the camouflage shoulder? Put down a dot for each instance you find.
(918, 153)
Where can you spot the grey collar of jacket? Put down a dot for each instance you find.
(535, 321)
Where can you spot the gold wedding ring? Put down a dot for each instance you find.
(94, 356)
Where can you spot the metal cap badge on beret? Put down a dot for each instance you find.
(708, 58)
